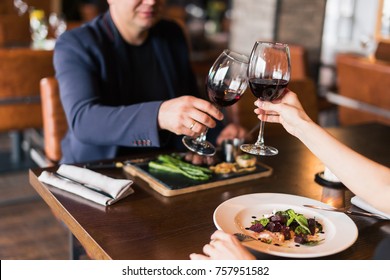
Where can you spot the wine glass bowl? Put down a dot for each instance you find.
(226, 81)
(38, 25)
(225, 84)
(269, 72)
(57, 24)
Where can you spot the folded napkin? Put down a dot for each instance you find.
(107, 190)
(357, 201)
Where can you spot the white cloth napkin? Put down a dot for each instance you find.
(359, 202)
(115, 188)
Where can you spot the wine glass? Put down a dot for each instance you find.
(268, 76)
(225, 84)
(58, 24)
(38, 26)
(20, 6)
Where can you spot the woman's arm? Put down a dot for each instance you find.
(364, 177)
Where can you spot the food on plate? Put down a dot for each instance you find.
(201, 160)
(246, 160)
(174, 164)
(179, 164)
(286, 228)
(224, 168)
(227, 168)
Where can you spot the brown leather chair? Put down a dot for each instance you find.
(382, 52)
(365, 82)
(299, 62)
(54, 120)
(20, 106)
(54, 129)
(20, 73)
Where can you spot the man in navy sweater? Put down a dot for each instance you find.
(126, 83)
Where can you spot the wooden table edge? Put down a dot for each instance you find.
(92, 248)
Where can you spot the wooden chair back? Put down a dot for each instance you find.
(364, 81)
(20, 73)
(383, 52)
(54, 120)
(299, 62)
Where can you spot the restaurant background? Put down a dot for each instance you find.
(323, 29)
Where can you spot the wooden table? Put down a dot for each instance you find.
(147, 225)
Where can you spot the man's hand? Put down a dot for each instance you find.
(188, 115)
(196, 159)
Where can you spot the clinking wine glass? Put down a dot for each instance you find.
(225, 84)
(268, 76)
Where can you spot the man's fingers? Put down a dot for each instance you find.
(208, 108)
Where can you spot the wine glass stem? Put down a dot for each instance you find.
(260, 138)
(202, 136)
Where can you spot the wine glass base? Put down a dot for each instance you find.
(203, 148)
(259, 150)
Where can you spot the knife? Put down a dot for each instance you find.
(82, 184)
(349, 212)
(102, 165)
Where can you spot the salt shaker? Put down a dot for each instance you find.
(228, 150)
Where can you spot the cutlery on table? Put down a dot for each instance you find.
(82, 184)
(243, 237)
(102, 165)
(349, 212)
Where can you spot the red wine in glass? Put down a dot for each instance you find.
(267, 89)
(222, 96)
(269, 72)
(225, 83)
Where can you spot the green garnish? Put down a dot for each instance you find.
(246, 156)
(313, 243)
(302, 221)
(172, 164)
(264, 222)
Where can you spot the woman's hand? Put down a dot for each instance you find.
(223, 246)
(289, 112)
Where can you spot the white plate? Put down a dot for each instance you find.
(236, 214)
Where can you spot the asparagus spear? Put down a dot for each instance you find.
(171, 164)
(180, 163)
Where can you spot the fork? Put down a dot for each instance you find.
(347, 211)
(243, 237)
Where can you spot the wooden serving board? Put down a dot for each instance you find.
(169, 184)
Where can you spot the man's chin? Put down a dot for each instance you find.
(148, 22)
